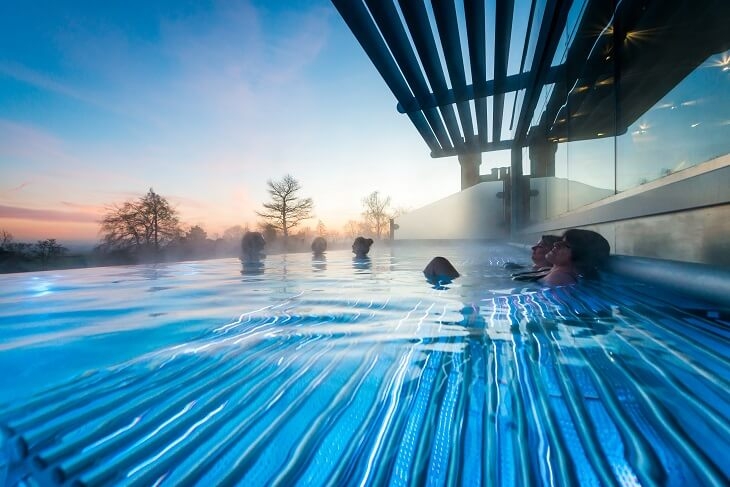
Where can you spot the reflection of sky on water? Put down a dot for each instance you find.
(319, 262)
(252, 267)
(355, 346)
(361, 263)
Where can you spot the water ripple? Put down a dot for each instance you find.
(352, 373)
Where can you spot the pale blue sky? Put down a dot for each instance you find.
(207, 100)
(204, 101)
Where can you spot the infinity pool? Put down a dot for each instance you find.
(336, 371)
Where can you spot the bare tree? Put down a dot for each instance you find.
(47, 250)
(269, 232)
(234, 233)
(6, 239)
(364, 229)
(196, 235)
(351, 228)
(148, 222)
(400, 211)
(376, 213)
(286, 209)
(321, 229)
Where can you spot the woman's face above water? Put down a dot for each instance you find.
(560, 253)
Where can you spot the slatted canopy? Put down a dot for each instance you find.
(485, 75)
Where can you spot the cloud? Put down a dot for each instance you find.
(29, 154)
(91, 96)
(20, 142)
(49, 83)
(236, 61)
(45, 82)
(239, 92)
(293, 53)
(20, 213)
(81, 208)
(16, 189)
(187, 202)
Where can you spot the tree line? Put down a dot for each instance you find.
(148, 229)
(20, 256)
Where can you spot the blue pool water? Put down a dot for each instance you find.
(336, 371)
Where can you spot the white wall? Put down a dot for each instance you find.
(474, 213)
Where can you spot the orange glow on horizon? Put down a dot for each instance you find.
(32, 230)
(29, 231)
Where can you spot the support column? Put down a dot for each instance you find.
(542, 159)
(470, 169)
(392, 228)
(517, 192)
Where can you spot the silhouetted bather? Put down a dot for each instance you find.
(252, 247)
(440, 269)
(361, 246)
(319, 245)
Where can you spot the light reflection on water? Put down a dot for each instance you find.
(76, 320)
(278, 375)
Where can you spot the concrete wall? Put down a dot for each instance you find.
(474, 213)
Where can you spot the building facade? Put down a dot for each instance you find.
(616, 114)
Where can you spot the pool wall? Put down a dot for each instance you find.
(696, 280)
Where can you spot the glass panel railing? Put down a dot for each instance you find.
(688, 126)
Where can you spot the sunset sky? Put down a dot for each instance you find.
(201, 100)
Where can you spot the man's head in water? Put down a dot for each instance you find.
(440, 270)
(361, 246)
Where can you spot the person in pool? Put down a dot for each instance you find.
(361, 247)
(440, 270)
(579, 254)
(319, 245)
(540, 250)
(540, 265)
(252, 247)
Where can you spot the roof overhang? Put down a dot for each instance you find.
(473, 79)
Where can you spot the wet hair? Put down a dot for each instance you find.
(252, 245)
(361, 246)
(550, 240)
(440, 268)
(319, 245)
(589, 251)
